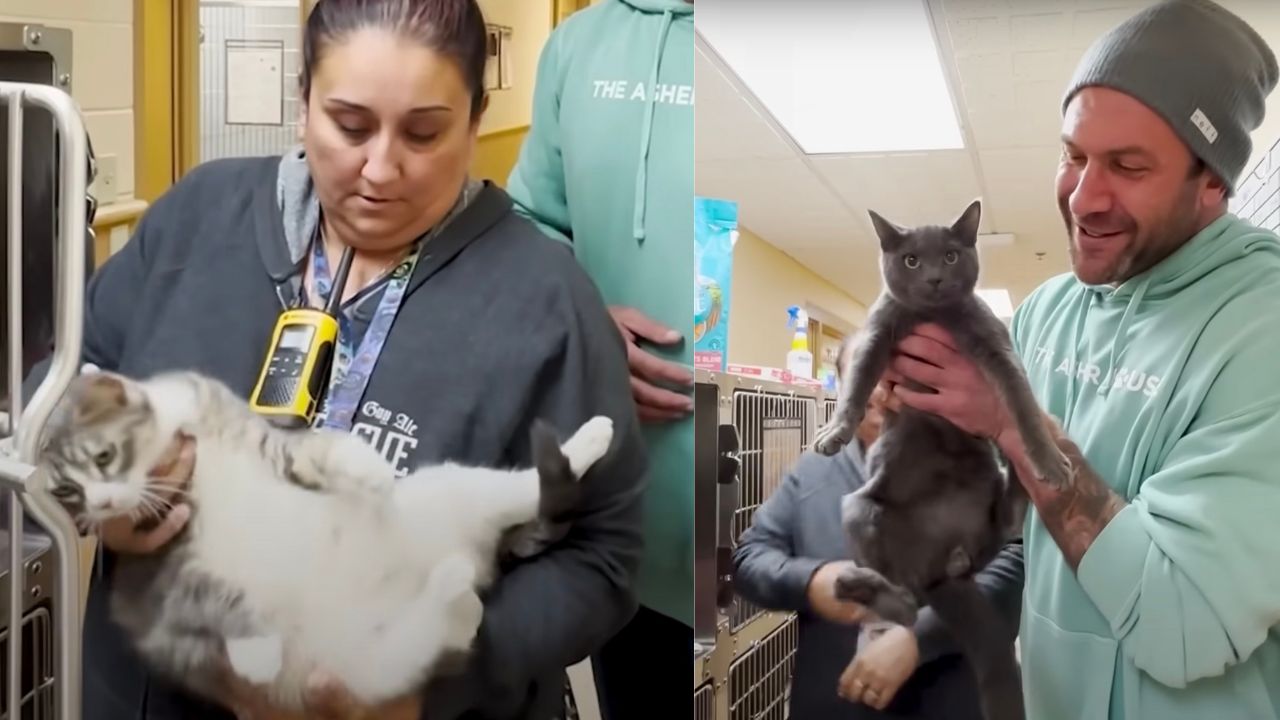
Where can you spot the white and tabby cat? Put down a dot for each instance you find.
(303, 551)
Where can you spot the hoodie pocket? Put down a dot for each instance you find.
(1065, 675)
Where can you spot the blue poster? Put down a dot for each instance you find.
(715, 231)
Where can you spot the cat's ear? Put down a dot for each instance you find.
(890, 234)
(98, 396)
(966, 226)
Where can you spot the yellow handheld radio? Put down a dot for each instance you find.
(295, 375)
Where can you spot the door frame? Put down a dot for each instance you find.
(166, 85)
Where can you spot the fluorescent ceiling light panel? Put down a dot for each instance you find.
(999, 302)
(840, 77)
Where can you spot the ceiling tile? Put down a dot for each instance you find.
(1036, 32)
(978, 34)
(976, 8)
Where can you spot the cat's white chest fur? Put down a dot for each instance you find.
(351, 582)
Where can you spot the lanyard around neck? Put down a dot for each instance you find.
(352, 367)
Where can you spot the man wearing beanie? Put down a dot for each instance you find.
(1153, 583)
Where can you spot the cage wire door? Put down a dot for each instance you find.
(745, 673)
(774, 428)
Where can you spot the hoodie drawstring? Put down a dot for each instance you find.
(1115, 353)
(1082, 318)
(1134, 301)
(646, 132)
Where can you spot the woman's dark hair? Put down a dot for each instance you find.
(453, 28)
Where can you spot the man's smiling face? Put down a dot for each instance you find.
(1130, 191)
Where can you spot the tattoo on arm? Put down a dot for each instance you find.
(1075, 516)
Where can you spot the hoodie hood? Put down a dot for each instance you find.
(1220, 243)
(675, 7)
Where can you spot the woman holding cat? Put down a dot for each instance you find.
(495, 326)
(847, 664)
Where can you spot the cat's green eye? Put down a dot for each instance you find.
(911, 261)
(62, 491)
(952, 256)
(105, 456)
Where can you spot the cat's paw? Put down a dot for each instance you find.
(256, 659)
(831, 438)
(465, 613)
(871, 590)
(590, 443)
(1054, 468)
(331, 461)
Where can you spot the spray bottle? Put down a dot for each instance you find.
(799, 360)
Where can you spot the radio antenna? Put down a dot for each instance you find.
(339, 282)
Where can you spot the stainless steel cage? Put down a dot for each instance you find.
(749, 434)
(41, 636)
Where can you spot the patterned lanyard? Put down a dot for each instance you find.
(351, 366)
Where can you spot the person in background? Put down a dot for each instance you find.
(461, 324)
(608, 169)
(848, 665)
(1153, 582)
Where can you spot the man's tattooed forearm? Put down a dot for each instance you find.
(1076, 516)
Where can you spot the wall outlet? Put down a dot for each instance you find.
(106, 186)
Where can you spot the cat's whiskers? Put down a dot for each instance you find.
(151, 503)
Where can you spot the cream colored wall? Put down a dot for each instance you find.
(530, 21)
(101, 68)
(766, 281)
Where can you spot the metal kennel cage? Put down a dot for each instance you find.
(47, 213)
(750, 432)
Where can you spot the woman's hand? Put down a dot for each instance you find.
(880, 668)
(822, 595)
(964, 397)
(125, 535)
(654, 404)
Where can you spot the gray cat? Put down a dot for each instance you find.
(937, 506)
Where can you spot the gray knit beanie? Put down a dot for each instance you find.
(1201, 68)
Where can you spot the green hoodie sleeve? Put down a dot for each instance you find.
(537, 182)
(1186, 574)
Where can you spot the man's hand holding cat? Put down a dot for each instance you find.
(654, 403)
(1074, 517)
(125, 535)
(821, 594)
(963, 396)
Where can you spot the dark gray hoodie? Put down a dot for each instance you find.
(499, 326)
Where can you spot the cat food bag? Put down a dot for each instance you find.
(715, 230)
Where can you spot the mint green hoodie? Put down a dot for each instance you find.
(1170, 384)
(608, 167)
